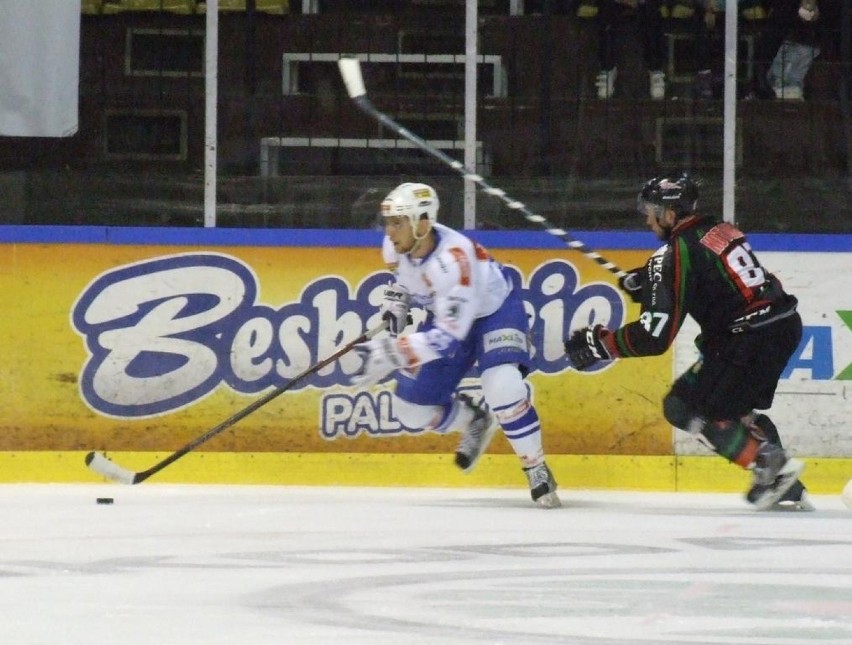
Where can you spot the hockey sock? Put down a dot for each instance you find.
(733, 440)
(522, 428)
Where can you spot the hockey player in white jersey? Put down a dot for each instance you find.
(474, 315)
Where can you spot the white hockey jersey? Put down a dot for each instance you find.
(457, 282)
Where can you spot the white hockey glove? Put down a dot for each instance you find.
(381, 357)
(394, 309)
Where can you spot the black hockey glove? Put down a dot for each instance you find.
(585, 347)
(631, 284)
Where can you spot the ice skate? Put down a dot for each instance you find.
(774, 475)
(476, 436)
(542, 486)
(796, 499)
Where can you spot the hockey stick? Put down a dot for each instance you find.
(350, 70)
(102, 465)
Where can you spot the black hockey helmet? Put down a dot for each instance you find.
(680, 193)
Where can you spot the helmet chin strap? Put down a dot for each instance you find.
(666, 231)
(414, 246)
(418, 240)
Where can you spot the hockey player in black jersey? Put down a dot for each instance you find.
(749, 329)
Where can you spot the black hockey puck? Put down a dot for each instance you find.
(105, 500)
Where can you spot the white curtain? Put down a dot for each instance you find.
(39, 67)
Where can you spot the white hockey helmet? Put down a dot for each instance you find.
(414, 201)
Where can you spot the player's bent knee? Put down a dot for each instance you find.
(677, 412)
(503, 386)
(682, 416)
(414, 415)
(506, 393)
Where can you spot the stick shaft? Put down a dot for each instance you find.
(367, 107)
(115, 472)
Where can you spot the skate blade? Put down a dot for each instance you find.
(803, 505)
(549, 500)
(792, 507)
(783, 482)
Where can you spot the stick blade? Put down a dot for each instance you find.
(102, 465)
(350, 70)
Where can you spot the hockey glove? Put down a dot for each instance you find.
(381, 357)
(586, 347)
(631, 284)
(394, 309)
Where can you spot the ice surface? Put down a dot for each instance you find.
(256, 565)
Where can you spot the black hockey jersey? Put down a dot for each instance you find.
(707, 270)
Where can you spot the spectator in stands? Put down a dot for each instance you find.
(611, 17)
(707, 24)
(791, 41)
(710, 38)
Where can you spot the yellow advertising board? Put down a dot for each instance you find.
(137, 348)
(143, 348)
